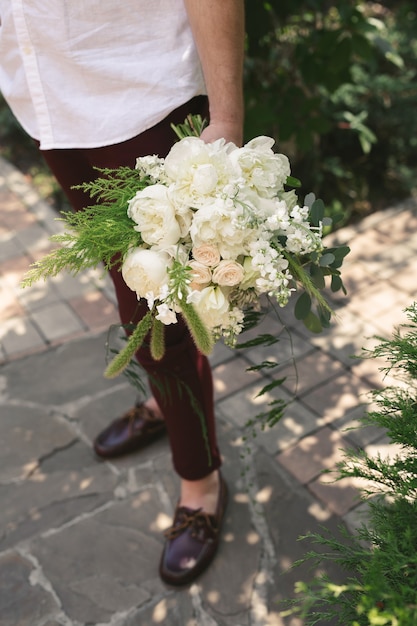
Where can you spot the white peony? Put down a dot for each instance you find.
(145, 271)
(263, 170)
(219, 223)
(153, 212)
(198, 170)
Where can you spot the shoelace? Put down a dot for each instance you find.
(195, 520)
(141, 412)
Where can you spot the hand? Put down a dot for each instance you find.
(230, 131)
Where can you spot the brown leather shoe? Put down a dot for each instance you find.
(192, 541)
(134, 430)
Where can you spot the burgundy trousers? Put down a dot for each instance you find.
(181, 382)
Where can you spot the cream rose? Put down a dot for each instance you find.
(201, 275)
(145, 271)
(228, 273)
(154, 214)
(206, 254)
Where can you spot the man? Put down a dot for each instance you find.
(98, 84)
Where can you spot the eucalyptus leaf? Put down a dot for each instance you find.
(309, 199)
(302, 306)
(327, 259)
(313, 323)
(317, 276)
(317, 212)
(336, 283)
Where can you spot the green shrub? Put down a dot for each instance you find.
(381, 557)
(336, 85)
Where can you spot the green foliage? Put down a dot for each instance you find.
(381, 557)
(94, 235)
(336, 85)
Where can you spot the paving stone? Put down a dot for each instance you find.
(221, 353)
(309, 372)
(75, 456)
(29, 434)
(338, 497)
(175, 610)
(69, 286)
(290, 513)
(37, 296)
(232, 376)
(46, 501)
(62, 374)
(99, 565)
(10, 246)
(95, 311)
(19, 335)
(241, 406)
(335, 398)
(357, 517)
(373, 371)
(283, 353)
(353, 429)
(310, 456)
(296, 422)
(346, 337)
(9, 304)
(57, 320)
(228, 585)
(21, 602)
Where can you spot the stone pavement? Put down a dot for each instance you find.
(80, 539)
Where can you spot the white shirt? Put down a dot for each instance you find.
(88, 73)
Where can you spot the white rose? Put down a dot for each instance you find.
(201, 275)
(228, 273)
(206, 254)
(145, 271)
(212, 306)
(154, 214)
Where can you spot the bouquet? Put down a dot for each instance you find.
(202, 233)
